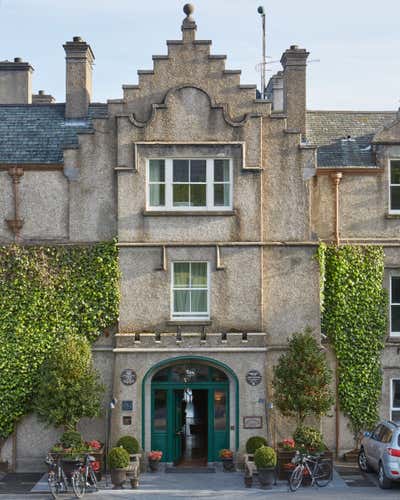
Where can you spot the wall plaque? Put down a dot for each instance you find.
(127, 405)
(252, 422)
(253, 377)
(128, 376)
(127, 420)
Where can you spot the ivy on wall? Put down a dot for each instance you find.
(354, 318)
(45, 294)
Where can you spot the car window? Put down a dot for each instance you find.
(376, 433)
(385, 434)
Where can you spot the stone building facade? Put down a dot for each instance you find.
(218, 199)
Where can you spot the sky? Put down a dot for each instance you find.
(354, 45)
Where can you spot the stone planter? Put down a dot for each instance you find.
(228, 464)
(266, 476)
(118, 477)
(153, 464)
(284, 462)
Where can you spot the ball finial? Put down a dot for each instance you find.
(188, 9)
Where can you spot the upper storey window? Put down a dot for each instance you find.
(394, 180)
(189, 184)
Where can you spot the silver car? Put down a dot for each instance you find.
(380, 452)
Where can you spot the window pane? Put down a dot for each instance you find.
(221, 195)
(219, 410)
(395, 172)
(395, 197)
(396, 418)
(221, 170)
(157, 195)
(198, 197)
(181, 275)
(396, 394)
(160, 410)
(181, 301)
(157, 170)
(396, 289)
(181, 171)
(198, 171)
(395, 318)
(199, 274)
(161, 376)
(181, 195)
(218, 376)
(199, 301)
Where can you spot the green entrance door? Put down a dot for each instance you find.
(189, 412)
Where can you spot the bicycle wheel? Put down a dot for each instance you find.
(92, 480)
(323, 473)
(296, 477)
(78, 483)
(54, 486)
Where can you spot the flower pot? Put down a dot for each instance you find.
(248, 481)
(266, 476)
(153, 464)
(118, 477)
(228, 464)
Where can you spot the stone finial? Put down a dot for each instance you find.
(189, 26)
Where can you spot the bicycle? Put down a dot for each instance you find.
(58, 480)
(87, 476)
(317, 468)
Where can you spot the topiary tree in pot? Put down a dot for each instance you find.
(253, 443)
(265, 460)
(118, 461)
(129, 443)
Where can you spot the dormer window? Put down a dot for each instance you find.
(189, 184)
(394, 182)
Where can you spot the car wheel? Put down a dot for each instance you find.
(363, 461)
(384, 482)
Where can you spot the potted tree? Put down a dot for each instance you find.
(131, 445)
(265, 460)
(154, 459)
(118, 461)
(226, 457)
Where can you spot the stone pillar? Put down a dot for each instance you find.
(294, 62)
(79, 57)
(189, 26)
(15, 82)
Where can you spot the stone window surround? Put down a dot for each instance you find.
(170, 208)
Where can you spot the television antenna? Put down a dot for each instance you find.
(262, 65)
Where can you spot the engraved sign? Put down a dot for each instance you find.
(128, 376)
(253, 377)
(252, 422)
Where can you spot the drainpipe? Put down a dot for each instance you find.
(336, 177)
(337, 410)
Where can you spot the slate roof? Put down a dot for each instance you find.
(329, 130)
(32, 133)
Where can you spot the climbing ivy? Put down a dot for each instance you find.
(354, 318)
(47, 293)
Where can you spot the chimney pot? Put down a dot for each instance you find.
(77, 39)
(18, 59)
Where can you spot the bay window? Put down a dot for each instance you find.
(189, 184)
(190, 290)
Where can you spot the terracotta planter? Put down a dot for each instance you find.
(153, 464)
(118, 477)
(228, 464)
(266, 476)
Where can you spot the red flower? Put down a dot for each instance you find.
(94, 444)
(155, 455)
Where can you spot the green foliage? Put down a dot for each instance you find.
(69, 387)
(265, 457)
(308, 439)
(129, 443)
(355, 321)
(118, 458)
(46, 293)
(71, 439)
(255, 442)
(301, 379)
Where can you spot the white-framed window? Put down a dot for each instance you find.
(395, 304)
(395, 399)
(189, 184)
(190, 290)
(394, 186)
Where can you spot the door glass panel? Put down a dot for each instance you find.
(160, 410)
(161, 376)
(218, 376)
(219, 410)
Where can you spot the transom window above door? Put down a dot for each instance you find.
(190, 290)
(189, 184)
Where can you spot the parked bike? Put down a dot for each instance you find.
(87, 476)
(58, 480)
(318, 469)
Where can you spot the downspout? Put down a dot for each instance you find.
(336, 178)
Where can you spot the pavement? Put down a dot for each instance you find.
(349, 484)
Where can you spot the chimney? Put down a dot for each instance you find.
(79, 57)
(42, 98)
(274, 91)
(15, 82)
(294, 62)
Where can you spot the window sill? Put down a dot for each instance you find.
(184, 213)
(393, 215)
(189, 322)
